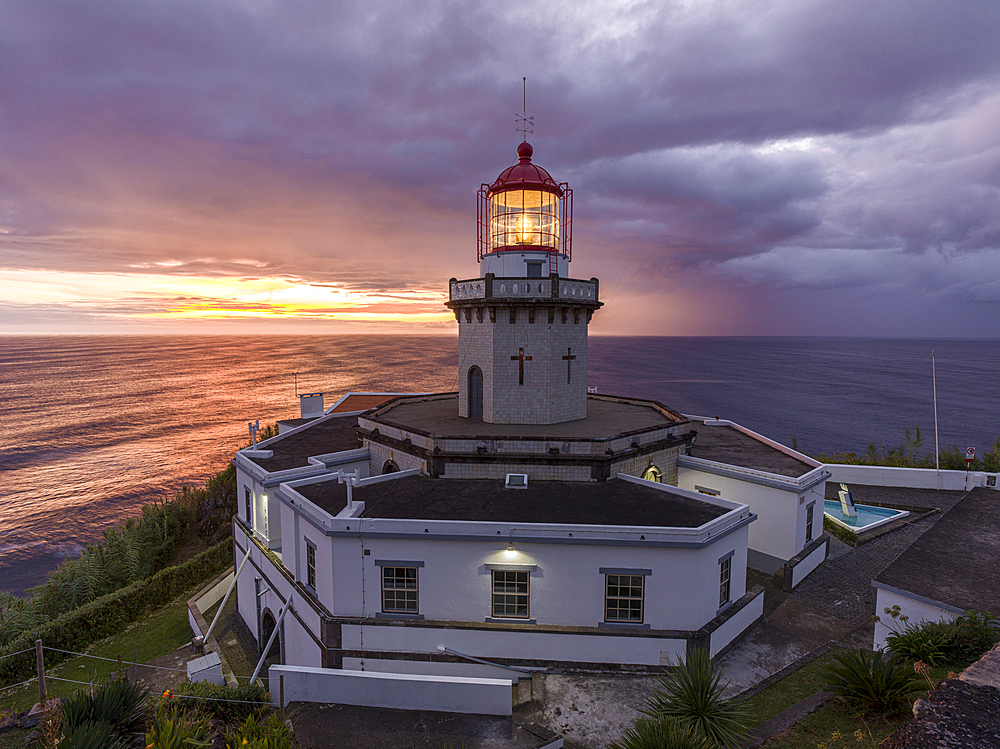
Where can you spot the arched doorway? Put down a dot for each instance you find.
(267, 623)
(389, 467)
(475, 393)
(653, 474)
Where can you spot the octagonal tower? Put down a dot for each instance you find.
(523, 323)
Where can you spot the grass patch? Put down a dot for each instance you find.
(158, 634)
(793, 688)
(818, 727)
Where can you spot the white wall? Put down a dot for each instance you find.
(452, 694)
(915, 478)
(780, 528)
(300, 647)
(917, 611)
(500, 643)
(736, 624)
(565, 588)
(813, 560)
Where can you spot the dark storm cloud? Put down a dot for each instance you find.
(343, 142)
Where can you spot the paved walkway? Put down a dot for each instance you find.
(843, 586)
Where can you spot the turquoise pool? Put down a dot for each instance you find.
(868, 516)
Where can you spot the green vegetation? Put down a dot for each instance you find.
(210, 705)
(134, 551)
(690, 695)
(839, 531)
(959, 641)
(875, 683)
(269, 733)
(172, 728)
(910, 454)
(111, 613)
(108, 717)
(659, 733)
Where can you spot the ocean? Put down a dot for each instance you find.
(96, 426)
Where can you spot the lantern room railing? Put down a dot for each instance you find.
(521, 219)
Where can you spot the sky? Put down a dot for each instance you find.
(800, 167)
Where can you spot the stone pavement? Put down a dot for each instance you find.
(843, 586)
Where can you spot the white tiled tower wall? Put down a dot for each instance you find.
(545, 397)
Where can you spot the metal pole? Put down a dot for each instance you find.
(40, 666)
(231, 586)
(281, 696)
(270, 641)
(937, 451)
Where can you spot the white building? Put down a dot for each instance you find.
(520, 521)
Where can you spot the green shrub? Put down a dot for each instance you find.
(269, 733)
(659, 733)
(690, 695)
(90, 735)
(876, 682)
(212, 695)
(110, 614)
(839, 531)
(965, 638)
(916, 642)
(119, 704)
(175, 729)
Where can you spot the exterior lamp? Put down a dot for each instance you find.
(510, 549)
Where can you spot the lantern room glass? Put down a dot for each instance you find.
(524, 218)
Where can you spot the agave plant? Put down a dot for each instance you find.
(873, 682)
(659, 733)
(119, 704)
(690, 695)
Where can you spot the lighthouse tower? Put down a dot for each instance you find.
(522, 325)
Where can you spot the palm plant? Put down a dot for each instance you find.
(690, 695)
(659, 733)
(873, 682)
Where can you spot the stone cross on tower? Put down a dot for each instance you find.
(569, 364)
(520, 359)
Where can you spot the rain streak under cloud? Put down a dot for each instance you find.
(810, 167)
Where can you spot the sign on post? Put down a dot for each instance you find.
(970, 454)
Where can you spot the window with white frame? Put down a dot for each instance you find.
(310, 565)
(249, 501)
(399, 590)
(725, 575)
(623, 598)
(809, 521)
(510, 594)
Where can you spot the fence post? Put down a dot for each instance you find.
(40, 666)
(281, 695)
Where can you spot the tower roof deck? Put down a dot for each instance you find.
(608, 418)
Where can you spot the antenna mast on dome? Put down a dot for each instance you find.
(525, 124)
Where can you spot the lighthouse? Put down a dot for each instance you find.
(522, 325)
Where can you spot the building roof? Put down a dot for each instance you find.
(727, 444)
(614, 502)
(955, 561)
(322, 436)
(607, 418)
(360, 402)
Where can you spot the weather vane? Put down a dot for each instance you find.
(525, 124)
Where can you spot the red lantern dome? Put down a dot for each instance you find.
(525, 210)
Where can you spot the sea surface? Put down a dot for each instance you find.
(95, 426)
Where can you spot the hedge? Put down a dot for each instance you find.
(112, 613)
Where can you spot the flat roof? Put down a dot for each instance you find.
(361, 402)
(726, 444)
(606, 418)
(323, 436)
(613, 502)
(955, 561)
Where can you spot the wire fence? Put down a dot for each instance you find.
(19, 652)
